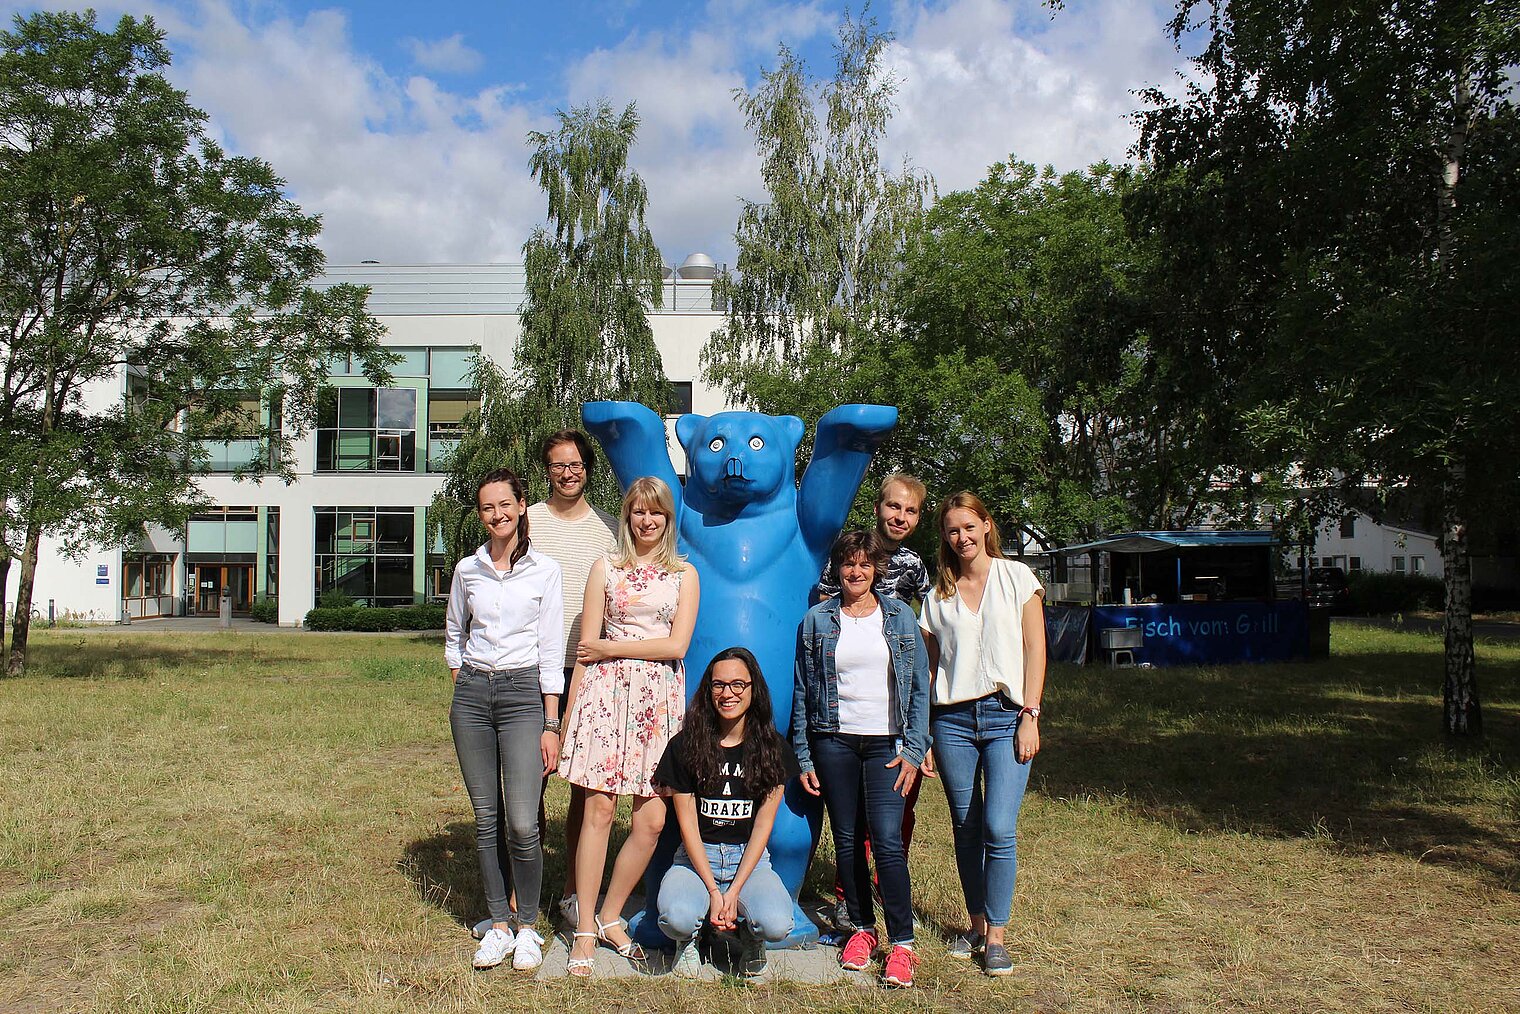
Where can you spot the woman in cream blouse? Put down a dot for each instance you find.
(984, 625)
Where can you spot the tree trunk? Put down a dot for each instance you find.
(1462, 714)
(16, 663)
(5, 584)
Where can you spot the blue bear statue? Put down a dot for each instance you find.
(758, 542)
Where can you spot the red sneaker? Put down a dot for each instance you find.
(900, 965)
(858, 950)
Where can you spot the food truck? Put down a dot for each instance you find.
(1182, 598)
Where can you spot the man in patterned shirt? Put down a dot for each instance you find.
(899, 507)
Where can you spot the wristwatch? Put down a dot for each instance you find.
(1033, 711)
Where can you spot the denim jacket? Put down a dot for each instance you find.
(815, 691)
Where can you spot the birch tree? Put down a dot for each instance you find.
(593, 275)
(818, 257)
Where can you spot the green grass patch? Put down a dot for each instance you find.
(275, 822)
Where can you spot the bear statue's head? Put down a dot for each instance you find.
(738, 458)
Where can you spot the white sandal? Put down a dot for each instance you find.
(580, 968)
(631, 950)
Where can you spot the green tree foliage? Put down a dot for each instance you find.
(812, 297)
(1338, 216)
(1032, 278)
(133, 246)
(592, 276)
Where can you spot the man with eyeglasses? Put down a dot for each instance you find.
(574, 534)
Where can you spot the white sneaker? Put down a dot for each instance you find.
(480, 929)
(688, 962)
(528, 950)
(494, 948)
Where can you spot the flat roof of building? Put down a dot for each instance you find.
(447, 289)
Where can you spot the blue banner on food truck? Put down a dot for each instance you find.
(1194, 633)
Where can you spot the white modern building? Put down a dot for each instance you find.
(1357, 542)
(356, 517)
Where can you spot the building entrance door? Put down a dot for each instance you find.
(211, 578)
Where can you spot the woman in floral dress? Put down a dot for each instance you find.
(627, 698)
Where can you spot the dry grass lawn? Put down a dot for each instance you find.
(274, 822)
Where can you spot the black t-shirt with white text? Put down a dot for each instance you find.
(725, 815)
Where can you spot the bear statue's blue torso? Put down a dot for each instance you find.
(758, 543)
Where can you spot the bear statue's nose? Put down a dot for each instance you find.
(734, 469)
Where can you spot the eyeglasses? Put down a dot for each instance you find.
(733, 688)
(562, 467)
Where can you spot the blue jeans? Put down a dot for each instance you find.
(984, 783)
(851, 768)
(497, 719)
(685, 901)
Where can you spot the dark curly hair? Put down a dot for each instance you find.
(511, 478)
(701, 749)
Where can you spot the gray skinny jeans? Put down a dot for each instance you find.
(498, 719)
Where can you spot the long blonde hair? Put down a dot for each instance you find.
(949, 569)
(648, 492)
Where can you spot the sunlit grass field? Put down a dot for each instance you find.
(274, 822)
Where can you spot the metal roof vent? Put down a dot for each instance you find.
(698, 265)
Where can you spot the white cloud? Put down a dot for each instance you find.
(410, 169)
(402, 170)
(980, 80)
(445, 56)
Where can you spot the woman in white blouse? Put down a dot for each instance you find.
(504, 644)
(984, 625)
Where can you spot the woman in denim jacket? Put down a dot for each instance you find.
(860, 727)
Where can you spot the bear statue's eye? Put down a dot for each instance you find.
(716, 445)
(756, 443)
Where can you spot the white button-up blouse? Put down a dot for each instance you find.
(510, 620)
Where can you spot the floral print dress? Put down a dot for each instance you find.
(627, 709)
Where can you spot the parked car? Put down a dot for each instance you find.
(1324, 588)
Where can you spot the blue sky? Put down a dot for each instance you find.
(403, 123)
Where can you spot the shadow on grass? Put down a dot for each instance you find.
(1350, 750)
(444, 868)
(445, 872)
(138, 658)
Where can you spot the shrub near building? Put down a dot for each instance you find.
(1374, 594)
(376, 618)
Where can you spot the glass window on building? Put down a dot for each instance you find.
(680, 398)
(272, 553)
(365, 429)
(445, 412)
(1398, 565)
(451, 369)
(1355, 564)
(1348, 526)
(413, 363)
(1417, 564)
(366, 553)
(147, 584)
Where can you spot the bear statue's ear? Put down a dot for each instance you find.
(793, 428)
(686, 429)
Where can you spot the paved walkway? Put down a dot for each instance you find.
(211, 625)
